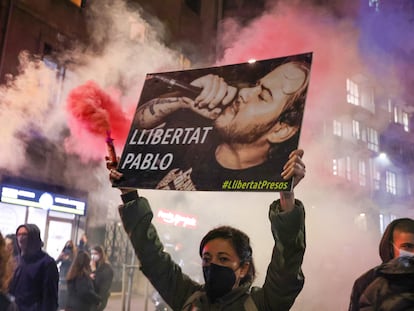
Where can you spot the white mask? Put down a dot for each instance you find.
(95, 257)
(404, 253)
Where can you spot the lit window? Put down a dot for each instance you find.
(356, 132)
(398, 115)
(337, 128)
(372, 138)
(381, 223)
(362, 173)
(352, 92)
(404, 121)
(376, 175)
(367, 98)
(364, 134)
(374, 4)
(361, 221)
(55, 86)
(348, 168)
(338, 167)
(390, 183)
(335, 167)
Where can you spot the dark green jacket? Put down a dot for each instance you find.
(284, 278)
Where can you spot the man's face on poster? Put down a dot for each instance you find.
(254, 111)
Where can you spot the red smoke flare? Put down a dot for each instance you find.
(92, 115)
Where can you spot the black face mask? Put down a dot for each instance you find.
(219, 280)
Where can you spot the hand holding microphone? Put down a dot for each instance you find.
(216, 93)
(208, 95)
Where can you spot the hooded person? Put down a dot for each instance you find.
(35, 279)
(393, 288)
(396, 250)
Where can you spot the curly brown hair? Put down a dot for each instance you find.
(6, 266)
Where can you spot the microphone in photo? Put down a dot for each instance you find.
(185, 89)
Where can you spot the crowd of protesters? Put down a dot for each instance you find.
(31, 280)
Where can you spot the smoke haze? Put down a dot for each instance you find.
(118, 61)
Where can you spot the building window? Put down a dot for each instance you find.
(396, 114)
(362, 170)
(335, 167)
(337, 128)
(376, 175)
(404, 121)
(374, 4)
(352, 92)
(390, 183)
(361, 221)
(348, 168)
(338, 167)
(364, 134)
(56, 83)
(399, 116)
(367, 98)
(372, 139)
(342, 167)
(381, 223)
(356, 131)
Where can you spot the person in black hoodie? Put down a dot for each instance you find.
(35, 280)
(396, 250)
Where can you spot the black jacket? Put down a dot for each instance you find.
(82, 295)
(35, 280)
(102, 283)
(392, 289)
(386, 254)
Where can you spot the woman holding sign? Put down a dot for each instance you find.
(226, 254)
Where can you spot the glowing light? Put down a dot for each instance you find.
(251, 61)
(383, 156)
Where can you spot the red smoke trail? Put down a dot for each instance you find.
(93, 116)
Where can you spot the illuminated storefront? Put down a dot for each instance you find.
(56, 212)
